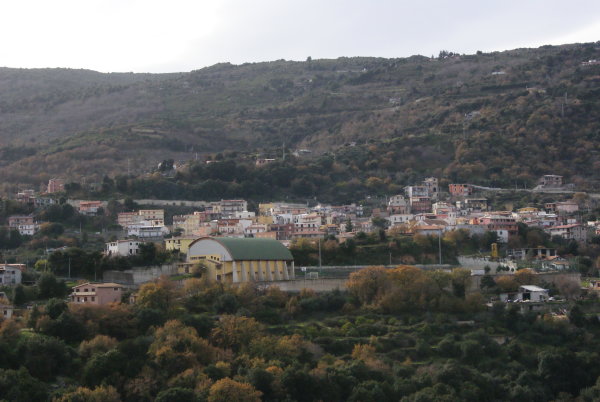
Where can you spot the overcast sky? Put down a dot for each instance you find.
(183, 35)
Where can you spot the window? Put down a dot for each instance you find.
(93, 298)
(85, 299)
(93, 289)
(85, 290)
(115, 289)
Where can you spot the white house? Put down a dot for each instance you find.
(122, 248)
(6, 311)
(9, 276)
(533, 293)
(399, 219)
(146, 230)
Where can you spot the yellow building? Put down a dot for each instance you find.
(181, 244)
(234, 260)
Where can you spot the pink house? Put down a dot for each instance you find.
(97, 293)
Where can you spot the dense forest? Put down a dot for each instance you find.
(490, 118)
(401, 334)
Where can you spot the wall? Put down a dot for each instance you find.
(165, 203)
(318, 285)
(137, 276)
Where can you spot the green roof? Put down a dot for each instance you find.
(247, 249)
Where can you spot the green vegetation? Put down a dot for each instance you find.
(401, 334)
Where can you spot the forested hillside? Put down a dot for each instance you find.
(491, 118)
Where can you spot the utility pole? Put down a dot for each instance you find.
(320, 267)
(69, 267)
(440, 246)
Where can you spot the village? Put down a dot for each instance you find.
(233, 244)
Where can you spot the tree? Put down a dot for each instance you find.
(98, 344)
(507, 284)
(349, 227)
(570, 289)
(19, 296)
(526, 276)
(461, 279)
(176, 394)
(576, 316)
(368, 284)
(49, 286)
(160, 295)
(177, 347)
(227, 390)
(20, 386)
(99, 394)
(235, 332)
(45, 357)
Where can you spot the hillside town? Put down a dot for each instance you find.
(423, 210)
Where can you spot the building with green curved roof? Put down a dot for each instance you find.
(234, 260)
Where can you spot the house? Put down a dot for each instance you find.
(531, 252)
(236, 260)
(180, 244)
(10, 276)
(502, 222)
(144, 230)
(123, 248)
(550, 181)
(420, 204)
(97, 293)
(26, 197)
(433, 189)
(400, 219)
(429, 230)
(90, 208)
(283, 231)
(533, 293)
(124, 219)
(228, 208)
(152, 214)
(398, 205)
(416, 191)
(6, 311)
(529, 293)
(473, 204)
(24, 224)
(263, 161)
(55, 186)
(460, 190)
(575, 232)
(555, 263)
(306, 222)
(564, 207)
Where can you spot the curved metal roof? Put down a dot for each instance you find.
(251, 249)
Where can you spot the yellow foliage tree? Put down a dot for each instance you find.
(368, 284)
(235, 332)
(159, 295)
(99, 394)
(228, 390)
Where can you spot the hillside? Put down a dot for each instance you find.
(491, 118)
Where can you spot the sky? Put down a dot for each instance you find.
(183, 35)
